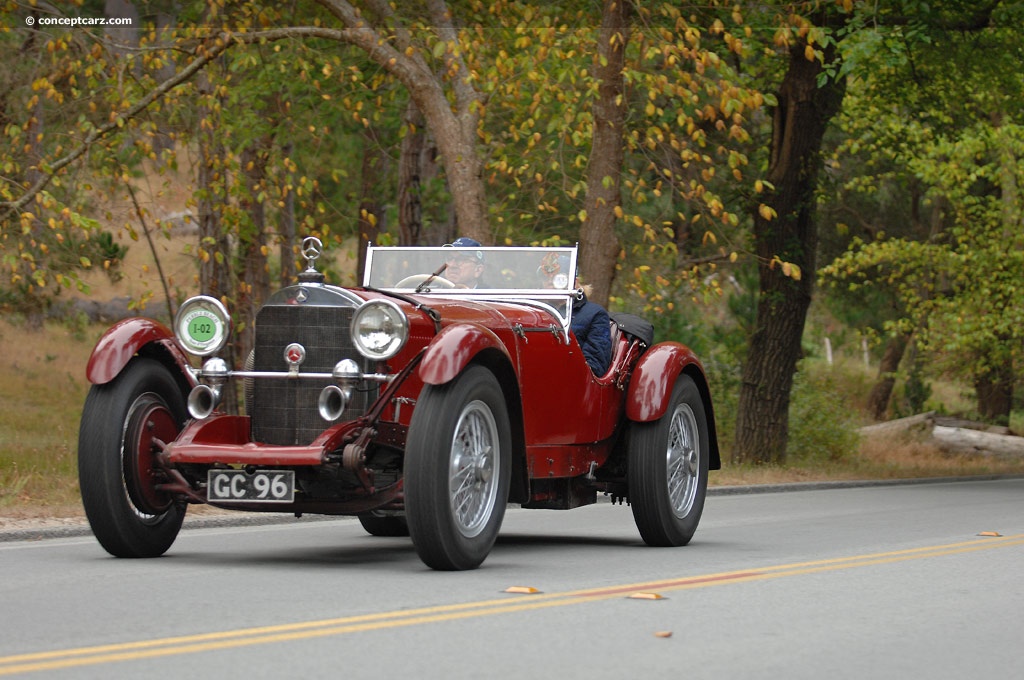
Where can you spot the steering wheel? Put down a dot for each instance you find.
(416, 279)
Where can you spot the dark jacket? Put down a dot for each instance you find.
(592, 328)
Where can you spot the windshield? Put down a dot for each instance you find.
(471, 270)
(531, 275)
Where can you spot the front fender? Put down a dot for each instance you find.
(129, 337)
(453, 349)
(651, 383)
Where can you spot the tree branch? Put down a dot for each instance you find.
(206, 52)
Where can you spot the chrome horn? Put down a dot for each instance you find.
(334, 398)
(204, 398)
(332, 403)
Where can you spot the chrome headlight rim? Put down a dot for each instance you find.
(391, 329)
(202, 325)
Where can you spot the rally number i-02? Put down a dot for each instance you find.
(419, 404)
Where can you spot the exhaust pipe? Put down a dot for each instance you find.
(202, 400)
(332, 403)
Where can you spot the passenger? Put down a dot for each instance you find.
(466, 268)
(592, 328)
(590, 322)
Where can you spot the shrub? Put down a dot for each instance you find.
(822, 421)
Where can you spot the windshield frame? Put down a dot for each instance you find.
(520, 269)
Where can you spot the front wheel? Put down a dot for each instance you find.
(457, 470)
(668, 469)
(123, 423)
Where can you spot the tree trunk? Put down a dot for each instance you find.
(371, 209)
(214, 248)
(254, 287)
(599, 246)
(453, 116)
(287, 225)
(881, 393)
(994, 391)
(410, 185)
(799, 122)
(464, 168)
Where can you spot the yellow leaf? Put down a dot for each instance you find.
(809, 53)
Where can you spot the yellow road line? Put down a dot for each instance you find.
(189, 644)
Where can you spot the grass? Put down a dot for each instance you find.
(43, 388)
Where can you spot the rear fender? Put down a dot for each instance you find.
(452, 350)
(137, 336)
(650, 388)
(653, 378)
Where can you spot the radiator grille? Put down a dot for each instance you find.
(284, 412)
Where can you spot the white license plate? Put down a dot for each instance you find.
(260, 486)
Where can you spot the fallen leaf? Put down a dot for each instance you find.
(645, 596)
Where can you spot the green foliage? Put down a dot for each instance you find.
(822, 424)
(932, 119)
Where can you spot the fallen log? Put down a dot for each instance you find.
(920, 423)
(967, 440)
(952, 435)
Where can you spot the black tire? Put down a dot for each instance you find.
(384, 525)
(457, 470)
(668, 469)
(117, 470)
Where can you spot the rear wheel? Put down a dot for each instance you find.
(122, 424)
(668, 469)
(457, 469)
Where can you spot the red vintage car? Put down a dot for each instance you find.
(418, 404)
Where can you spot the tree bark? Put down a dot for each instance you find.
(254, 284)
(994, 391)
(371, 210)
(881, 393)
(213, 247)
(286, 224)
(599, 246)
(454, 123)
(410, 185)
(799, 122)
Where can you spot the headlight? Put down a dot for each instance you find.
(202, 325)
(379, 329)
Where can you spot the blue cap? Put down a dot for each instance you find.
(466, 242)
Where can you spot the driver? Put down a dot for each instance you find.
(465, 266)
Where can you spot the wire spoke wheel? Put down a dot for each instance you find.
(472, 480)
(668, 468)
(457, 470)
(683, 460)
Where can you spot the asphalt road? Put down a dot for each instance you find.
(889, 581)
